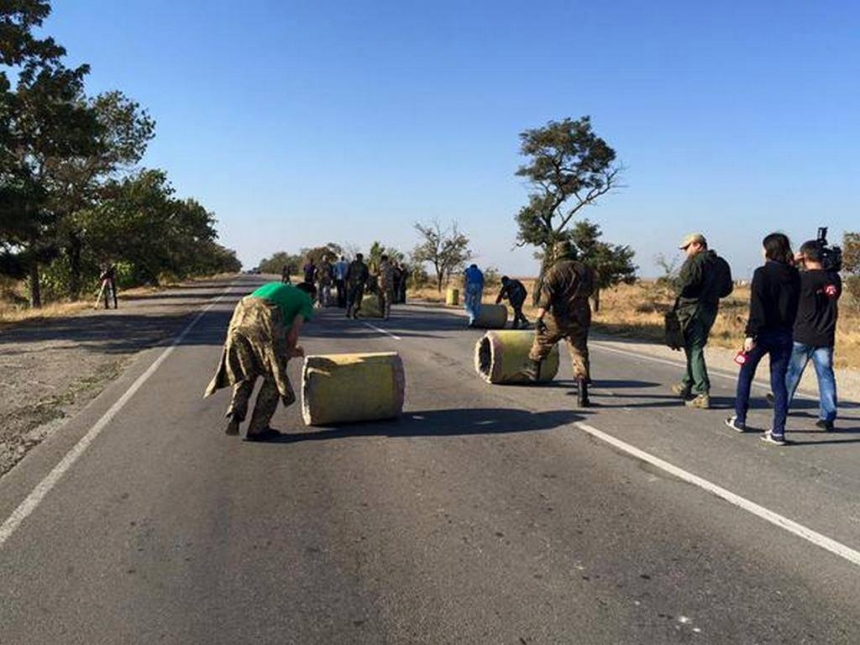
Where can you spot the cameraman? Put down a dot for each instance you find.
(815, 328)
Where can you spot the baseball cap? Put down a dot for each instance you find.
(692, 238)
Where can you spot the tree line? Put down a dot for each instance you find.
(72, 196)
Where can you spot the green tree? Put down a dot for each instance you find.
(612, 262)
(278, 261)
(317, 253)
(569, 168)
(378, 249)
(74, 184)
(42, 120)
(446, 249)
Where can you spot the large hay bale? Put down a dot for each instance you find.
(370, 307)
(452, 297)
(346, 388)
(491, 317)
(500, 357)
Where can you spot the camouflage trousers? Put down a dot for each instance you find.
(575, 332)
(256, 347)
(264, 407)
(386, 297)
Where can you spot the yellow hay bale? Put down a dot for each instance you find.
(346, 388)
(500, 357)
(370, 307)
(492, 317)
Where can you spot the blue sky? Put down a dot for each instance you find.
(301, 123)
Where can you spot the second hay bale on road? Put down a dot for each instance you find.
(500, 357)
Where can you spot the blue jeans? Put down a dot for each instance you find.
(822, 360)
(472, 301)
(777, 344)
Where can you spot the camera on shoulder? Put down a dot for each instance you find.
(831, 256)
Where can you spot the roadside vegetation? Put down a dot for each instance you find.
(73, 199)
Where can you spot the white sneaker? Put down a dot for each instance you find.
(733, 423)
(775, 439)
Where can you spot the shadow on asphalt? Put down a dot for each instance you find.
(102, 333)
(443, 423)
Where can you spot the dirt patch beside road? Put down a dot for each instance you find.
(51, 368)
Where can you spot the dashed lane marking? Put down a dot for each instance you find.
(381, 331)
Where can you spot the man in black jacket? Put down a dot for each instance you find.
(815, 329)
(703, 279)
(516, 294)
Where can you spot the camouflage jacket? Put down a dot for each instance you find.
(566, 288)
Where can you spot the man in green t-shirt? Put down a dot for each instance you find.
(263, 335)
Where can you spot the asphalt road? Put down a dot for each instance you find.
(486, 514)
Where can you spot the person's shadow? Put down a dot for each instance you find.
(442, 423)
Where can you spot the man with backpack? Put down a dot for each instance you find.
(703, 279)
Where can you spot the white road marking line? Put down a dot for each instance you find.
(791, 526)
(36, 496)
(381, 331)
(657, 359)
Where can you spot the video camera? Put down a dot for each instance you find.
(831, 256)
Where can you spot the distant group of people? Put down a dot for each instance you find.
(343, 284)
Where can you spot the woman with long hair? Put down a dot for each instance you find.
(774, 295)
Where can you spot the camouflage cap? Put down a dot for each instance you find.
(692, 238)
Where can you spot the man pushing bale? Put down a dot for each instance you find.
(564, 296)
(262, 337)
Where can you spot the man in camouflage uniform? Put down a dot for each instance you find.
(385, 282)
(564, 296)
(325, 279)
(262, 337)
(356, 279)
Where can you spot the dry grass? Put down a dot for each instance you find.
(636, 311)
(13, 307)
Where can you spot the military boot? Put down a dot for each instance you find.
(582, 393)
(532, 370)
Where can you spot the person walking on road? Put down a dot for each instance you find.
(262, 337)
(516, 294)
(310, 272)
(400, 293)
(385, 287)
(108, 286)
(815, 331)
(564, 313)
(340, 269)
(325, 273)
(356, 278)
(774, 296)
(474, 287)
(704, 278)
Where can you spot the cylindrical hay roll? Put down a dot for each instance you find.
(491, 317)
(500, 357)
(370, 307)
(452, 297)
(346, 388)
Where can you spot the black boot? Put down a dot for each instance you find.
(582, 393)
(532, 370)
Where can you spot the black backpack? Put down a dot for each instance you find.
(723, 277)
